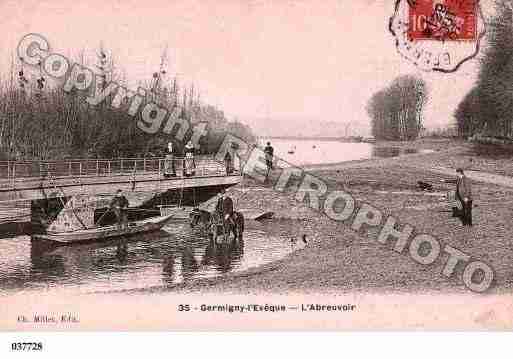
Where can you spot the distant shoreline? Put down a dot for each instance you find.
(312, 138)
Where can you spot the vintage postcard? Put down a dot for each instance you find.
(239, 165)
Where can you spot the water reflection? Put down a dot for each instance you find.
(47, 266)
(384, 152)
(189, 265)
(222, 255)
(169, 257)
(122, 251)
(168, 269)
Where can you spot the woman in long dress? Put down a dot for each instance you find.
(169, 164)
(190, 165)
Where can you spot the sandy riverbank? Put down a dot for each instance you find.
(339, 260)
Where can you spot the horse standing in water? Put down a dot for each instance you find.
(201, 218)
(214, 224)
(234, 225)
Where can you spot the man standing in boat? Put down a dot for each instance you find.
(119, 205)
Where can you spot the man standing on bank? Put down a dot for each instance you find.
(464, 195)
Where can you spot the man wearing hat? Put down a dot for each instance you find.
(269, 154)
(119, 205)
(224, 206)
(464, 195)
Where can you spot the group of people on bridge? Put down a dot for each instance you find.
(187, 163)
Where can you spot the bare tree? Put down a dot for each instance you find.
(40, 121)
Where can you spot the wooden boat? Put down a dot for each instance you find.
(106, 232)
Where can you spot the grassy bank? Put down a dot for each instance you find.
(497, 159)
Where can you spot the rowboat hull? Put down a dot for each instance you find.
(104, 233)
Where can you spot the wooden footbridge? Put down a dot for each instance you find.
(70, 194)
(36, 180)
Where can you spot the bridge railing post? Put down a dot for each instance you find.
(97, 168)
(134, 170)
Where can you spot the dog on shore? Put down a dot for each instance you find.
(425, 186)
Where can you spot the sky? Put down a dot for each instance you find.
(315, 60)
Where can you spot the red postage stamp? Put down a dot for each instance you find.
(438, 35)
(443, 20)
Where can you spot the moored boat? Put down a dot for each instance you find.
(104, 233)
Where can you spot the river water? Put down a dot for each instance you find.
(307, 152)
(175, 255)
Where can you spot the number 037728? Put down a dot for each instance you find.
(26, 346)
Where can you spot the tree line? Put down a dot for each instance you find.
(396, 111)
(41, 122)
(486, 109)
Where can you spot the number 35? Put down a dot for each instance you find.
(184, 308)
